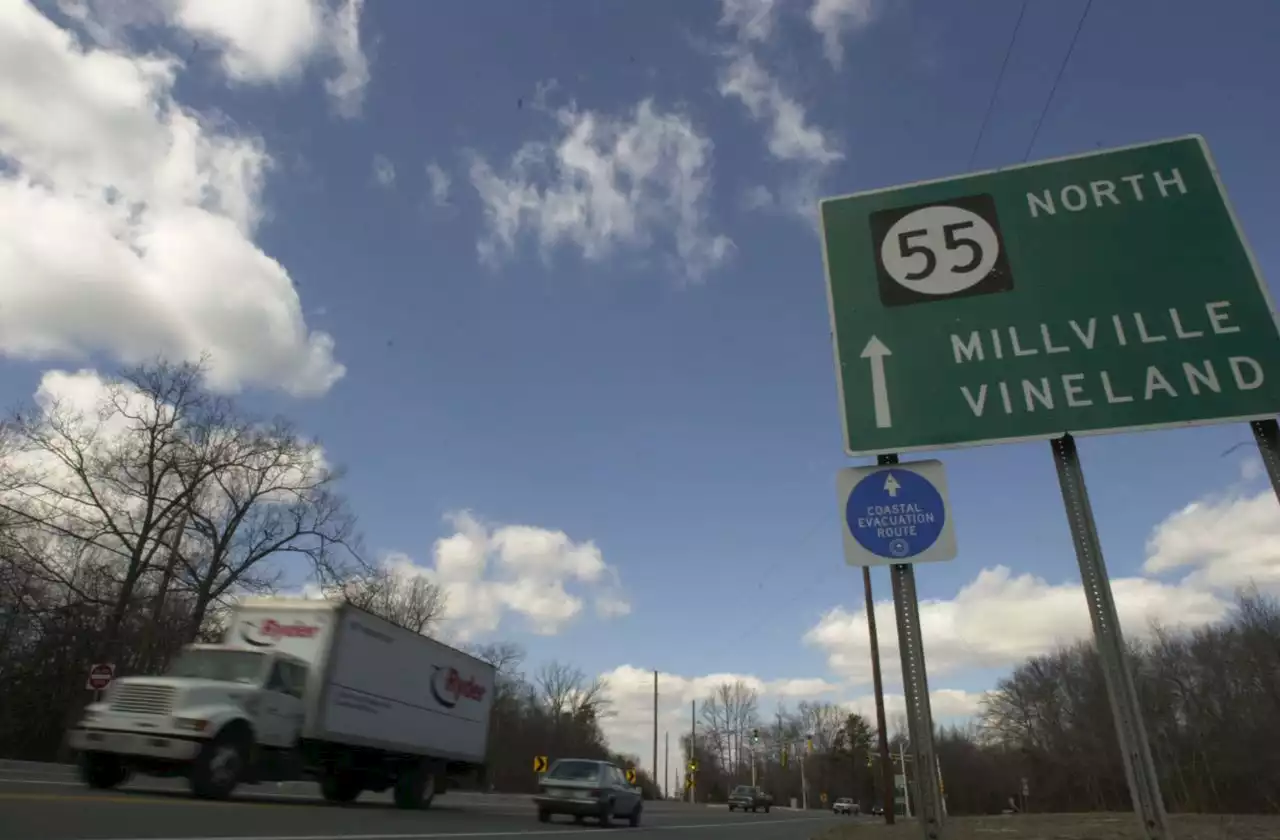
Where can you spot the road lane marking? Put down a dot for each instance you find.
(248, 797)
(532, 832)
(125, 800)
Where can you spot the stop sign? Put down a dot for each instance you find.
(100, 676)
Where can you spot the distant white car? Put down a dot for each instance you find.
(844, 805)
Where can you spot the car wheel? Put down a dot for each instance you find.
(544, 815)
(606, 815)
(733, 807)
(634, 817)
(766, 809)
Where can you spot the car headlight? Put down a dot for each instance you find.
(191, 724)
(89, 717)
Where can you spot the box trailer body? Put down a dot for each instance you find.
(374, 684)
(299, 689)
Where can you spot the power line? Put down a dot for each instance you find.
(995, 91)
(1054, 90)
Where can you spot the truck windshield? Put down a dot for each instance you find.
(238, 666)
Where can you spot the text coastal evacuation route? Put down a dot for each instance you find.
(1097, 293)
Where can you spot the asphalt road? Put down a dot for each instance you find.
(45, 802)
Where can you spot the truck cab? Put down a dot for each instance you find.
(212, 710)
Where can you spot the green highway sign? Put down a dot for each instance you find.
(1098, 293)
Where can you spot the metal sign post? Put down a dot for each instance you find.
(915, 683)
(1139, 768)
(1267, 434)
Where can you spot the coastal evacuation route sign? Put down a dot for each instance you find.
(1098, 293)
(896, 514)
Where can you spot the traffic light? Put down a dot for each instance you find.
(755, 735)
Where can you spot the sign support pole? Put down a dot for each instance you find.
(1139, 768)
(915, 681)
(1267, 434)
(886, 762)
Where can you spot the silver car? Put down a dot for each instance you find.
(582, 787)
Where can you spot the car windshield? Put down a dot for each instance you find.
(575, 771)
(237, 666)
(743, 790)
(844, 801)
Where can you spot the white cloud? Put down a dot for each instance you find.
(1213, 547)
(753, 20)
(162, 207)
(346, 88)
(630, 728)
(975, 628)
(831, 19)
(1221, 543)
(273, 42)
(605, 184)
(790, 137)
(439, 184)
(384, 171)
(541, 575)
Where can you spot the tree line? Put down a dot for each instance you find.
(133, 516)
(1210, 698)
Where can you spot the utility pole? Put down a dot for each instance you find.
(655, 726)
(693, 749)
(666, 765)
(804, 784)
(886, 761)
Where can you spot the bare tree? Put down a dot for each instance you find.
(270, 497)
(408, 600)
(105, 478)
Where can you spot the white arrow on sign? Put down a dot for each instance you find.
(875, 351)
(891, 486)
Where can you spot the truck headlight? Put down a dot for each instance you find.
(191, 724)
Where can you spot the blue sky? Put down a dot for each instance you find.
(586, 295)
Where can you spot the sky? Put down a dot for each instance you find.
(548, 284)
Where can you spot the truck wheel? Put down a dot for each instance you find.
(415, 788)
(218, 767)
(340, 788)
(102, 770)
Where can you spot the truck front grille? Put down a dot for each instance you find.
(142, 699)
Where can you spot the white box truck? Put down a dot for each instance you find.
(298, 689)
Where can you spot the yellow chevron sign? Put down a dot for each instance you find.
(539, 764)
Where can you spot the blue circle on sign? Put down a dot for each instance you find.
(895, 513)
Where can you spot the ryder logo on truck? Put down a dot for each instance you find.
(269, 632)
(449, 687)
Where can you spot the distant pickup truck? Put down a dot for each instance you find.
(750, 799)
